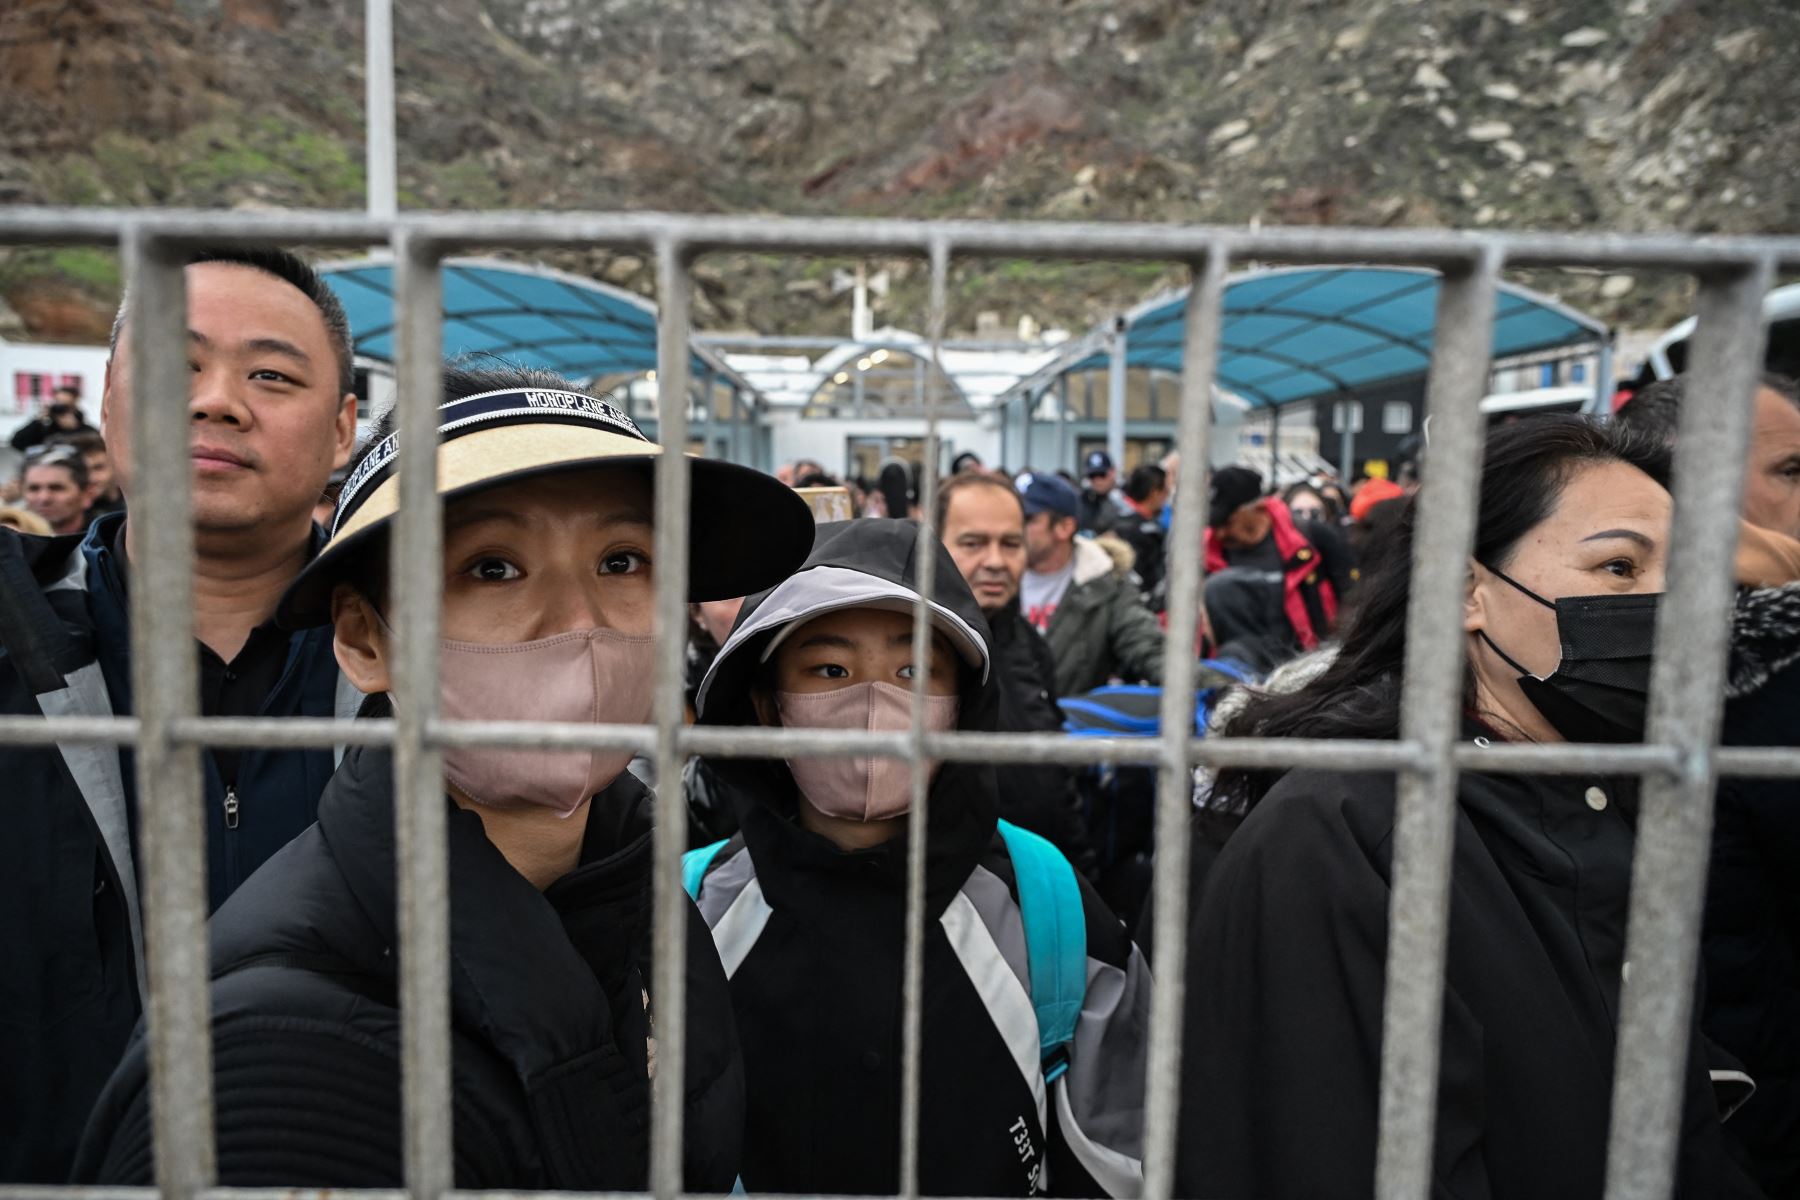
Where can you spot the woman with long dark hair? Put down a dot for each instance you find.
(1289, 940)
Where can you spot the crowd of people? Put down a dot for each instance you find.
(1049, 591)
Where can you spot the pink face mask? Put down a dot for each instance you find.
(595, 676)
(861, 789)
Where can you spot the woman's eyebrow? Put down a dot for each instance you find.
(1629, 535)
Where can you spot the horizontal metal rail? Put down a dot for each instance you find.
(1679, 766)
(298, 733)
(450, 232)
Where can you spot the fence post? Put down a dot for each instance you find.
(1430, 716)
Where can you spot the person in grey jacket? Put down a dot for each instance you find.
(1094, 619)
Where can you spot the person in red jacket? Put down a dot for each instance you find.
(1273, 582)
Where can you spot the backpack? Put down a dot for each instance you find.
(1055, 923)
(1119, 799)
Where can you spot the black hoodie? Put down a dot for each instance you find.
(812, 940)
(548, 999)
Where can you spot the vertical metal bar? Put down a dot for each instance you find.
(1668, 876)
(1430, 712)
(913, 982)
(165, 687)
(707, 400)
(1115, 395)
(1062, 421)
(1175, 783)
(1027, 402)
(381, 165)
(420, 807)
(736, 436)
(1603, 379)
(1275, 445)
(669, 977)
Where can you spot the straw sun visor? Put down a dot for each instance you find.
(747, 530)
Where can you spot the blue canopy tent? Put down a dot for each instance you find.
(1297, 334)
(540, 317)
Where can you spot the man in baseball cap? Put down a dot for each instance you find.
(1094, 619)
(1100, 477)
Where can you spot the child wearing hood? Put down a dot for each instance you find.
(807, 903)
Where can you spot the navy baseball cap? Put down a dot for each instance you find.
(1044, 492)
(1099, 462)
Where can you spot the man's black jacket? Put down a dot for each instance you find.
(1042, 797)
(1751, 940)
(69, 942)
(551, 1015)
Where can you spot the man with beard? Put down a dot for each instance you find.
(982, 522)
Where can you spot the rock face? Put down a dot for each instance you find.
(1621, 114)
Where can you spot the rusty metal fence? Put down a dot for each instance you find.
(1680, 763)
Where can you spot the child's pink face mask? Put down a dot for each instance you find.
(867, 788)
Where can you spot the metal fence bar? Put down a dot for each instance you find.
(165, 685)
(1430, 712)
(975, 239)
(1668, 878)
(297, 733)
(1175, 781)
(420, 816)
(1681, 762)
(912, 1020)
(674, 290)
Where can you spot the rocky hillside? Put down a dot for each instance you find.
(1559, 114)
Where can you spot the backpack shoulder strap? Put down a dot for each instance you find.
(1055, 941)
(693, 867)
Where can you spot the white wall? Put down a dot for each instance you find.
(826, 440)
(87, 364)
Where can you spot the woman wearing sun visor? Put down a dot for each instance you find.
(548, 600)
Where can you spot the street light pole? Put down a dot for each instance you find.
(381, 167)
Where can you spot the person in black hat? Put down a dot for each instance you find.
(1273, 584)
(1094, 619)
(1100, 511)
(548, 604)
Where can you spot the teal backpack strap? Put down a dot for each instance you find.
(693, 867)
(1055, 941)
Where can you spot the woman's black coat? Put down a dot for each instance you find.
(548, 994)
(1284, 1002)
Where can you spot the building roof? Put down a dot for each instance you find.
(525, 313)
(1296, 333)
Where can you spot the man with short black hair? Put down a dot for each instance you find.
(1094, 620)
(1146, 493)
(1750, 939)
(271, 414)
(1772, 471)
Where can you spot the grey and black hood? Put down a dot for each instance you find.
(868, 563)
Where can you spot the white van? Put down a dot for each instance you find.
(1781, 308)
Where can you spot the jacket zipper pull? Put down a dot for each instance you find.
(231, 807)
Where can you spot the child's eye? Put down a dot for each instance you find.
(494, 570)
(909, 672)
(832, 671)
(624, 562)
